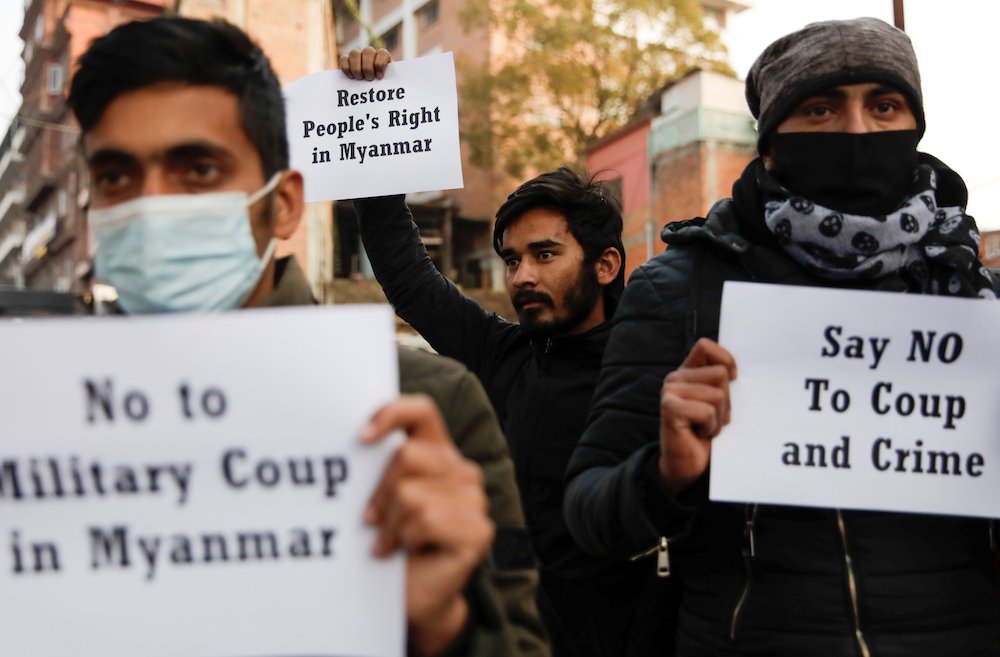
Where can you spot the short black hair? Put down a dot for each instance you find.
(214, 53)
(593, 216)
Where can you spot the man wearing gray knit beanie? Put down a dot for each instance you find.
(839, 197)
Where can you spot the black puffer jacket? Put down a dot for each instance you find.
(541, 393)
(762, 580)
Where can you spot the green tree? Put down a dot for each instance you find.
(569, 72)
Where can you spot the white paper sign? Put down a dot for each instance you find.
(862, 400)
(194, 486)
(353, 138)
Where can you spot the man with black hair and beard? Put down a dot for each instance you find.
(559, 236)
(840, 197)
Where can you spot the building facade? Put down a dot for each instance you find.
(455, 224)
(44, 241)
(678, 158)
(297, 36)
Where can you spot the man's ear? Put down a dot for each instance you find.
(288, 204)
(608, 264)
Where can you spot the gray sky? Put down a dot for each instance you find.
(956, 42)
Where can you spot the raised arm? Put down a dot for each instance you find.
(453, 324)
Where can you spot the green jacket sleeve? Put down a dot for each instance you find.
(509, 585)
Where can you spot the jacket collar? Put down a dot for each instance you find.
(290, 286)
(591, 342)
(732, 226)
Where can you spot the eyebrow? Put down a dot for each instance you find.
(106, 156)
(882, 90)
(532, 246)
(543, 244)
(836, 93)
(186, 151)
(832, 93)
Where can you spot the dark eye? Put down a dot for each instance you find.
(817, 110)
(511, 263)
(111, 181)
(202, 171)
(546, 255)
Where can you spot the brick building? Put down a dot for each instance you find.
(43, 237)
(44, 242)
(297, 36)
(679, 156)
(456, 224)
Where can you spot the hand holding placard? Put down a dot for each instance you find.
(378, 134)
(175, 474)
(694, 407)
(431, 503)
(857, 399)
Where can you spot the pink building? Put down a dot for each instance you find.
(622, 160)
(679, 156)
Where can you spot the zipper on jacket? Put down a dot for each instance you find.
(662, 552)
(749, 552)
(852, 585)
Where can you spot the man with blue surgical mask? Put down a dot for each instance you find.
(184, 137)
(164, 277)
(185, 213)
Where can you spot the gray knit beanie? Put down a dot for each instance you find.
(829, 54)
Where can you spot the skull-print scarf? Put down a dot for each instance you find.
(932, 245)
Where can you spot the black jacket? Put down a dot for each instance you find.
(541, 393)
(759, 579)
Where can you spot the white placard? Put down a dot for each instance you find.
(863, 400)
(194, 486)
(354, 138)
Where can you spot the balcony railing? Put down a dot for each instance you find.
(38, 237)
(10, 154)
(10, 246)
(11, 202)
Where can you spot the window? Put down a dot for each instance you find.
(430, 12)
(390, 40)
(56, 79)
(39, 28)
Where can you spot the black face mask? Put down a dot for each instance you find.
(857, 173)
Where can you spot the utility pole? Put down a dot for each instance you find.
(897, 14)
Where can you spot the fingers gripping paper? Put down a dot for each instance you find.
(354, 138)
(194, 486)
(860, 400)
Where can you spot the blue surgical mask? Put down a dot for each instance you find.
(182, 252)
